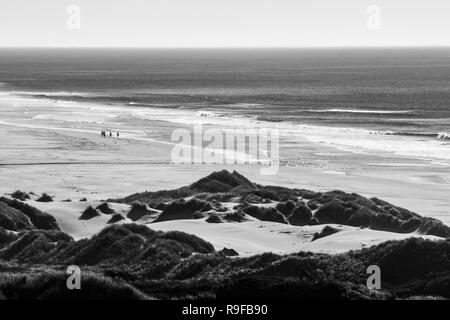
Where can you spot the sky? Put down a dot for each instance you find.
(224, 23)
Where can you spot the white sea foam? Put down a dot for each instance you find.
(444, 136)
(352, 139)
(349, 139)
(207, 114)
(360, 111)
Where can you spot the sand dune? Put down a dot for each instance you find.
(247, 238)
(256, 237)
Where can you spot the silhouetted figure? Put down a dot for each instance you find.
(110, 134)
(117, 134)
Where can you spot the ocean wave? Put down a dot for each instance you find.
(51, 94)
(360, 111)
(444, 136)
(441, 135)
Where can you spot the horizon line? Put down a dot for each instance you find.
(234, 47)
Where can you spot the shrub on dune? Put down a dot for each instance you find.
(434, 227)
(52, 286)
(223, 181)
(251, 198)
(286, 207)
(39, 219)
(35, 246)
(407, 260)
(45, 198)
(181, 209)
(138, 210)
(105, 208)
(116, 217)
(236, 216)
(265, 214)
(89, 213)
(326, 231)
(13, 219)
(20, 195)
(214, 218)
(334, 212)
(198, 244)
(301, 215)
(308, 195)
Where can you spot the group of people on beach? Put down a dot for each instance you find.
(103, 134)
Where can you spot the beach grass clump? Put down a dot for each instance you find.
(13, 219)
(20, 195)
(301, 215)
(182, 209)
(105, 208)
(40, 219)
(116, 217)
(51, 285)
(214, 218)
(265, 214)
(326, 231)
(45, 198)
(89, 213)
(138, 210)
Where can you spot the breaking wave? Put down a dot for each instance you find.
(444, 136)
(361, 111)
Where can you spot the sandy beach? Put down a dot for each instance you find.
(73, 163)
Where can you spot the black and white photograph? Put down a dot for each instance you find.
(241, 151)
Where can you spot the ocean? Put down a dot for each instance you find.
(376, 100)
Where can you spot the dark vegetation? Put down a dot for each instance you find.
(20, 195)
(182, 209)
(132, 261)
(36, 218)
(106, 208)
(51, 285)
(265, 214)
(45, 198)
(13, 219)
(116, 217)
(326, 231)
(89, 213)
(138, 211)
